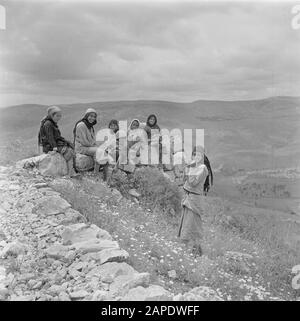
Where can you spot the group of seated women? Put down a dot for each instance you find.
(85, 140)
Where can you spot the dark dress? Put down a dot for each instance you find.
(50, 137)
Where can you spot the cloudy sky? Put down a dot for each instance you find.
(71, 51)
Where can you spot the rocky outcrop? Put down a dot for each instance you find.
(47, 164)
(49, 252)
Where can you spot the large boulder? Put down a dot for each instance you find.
(109, 271)
(84, 162)
(47, 164)
(50, 205)
(123, 283)
(94, 245)
(53, 165)
(82, 232)
(152, 293)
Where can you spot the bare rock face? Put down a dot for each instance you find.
(112, 255)
(94, 245)
(109, 271)
(53, 165)
(84, 162)
(152, 293)
(72, 217)
(57, 251)
(50, 205)
(123, 283)
(82, 232)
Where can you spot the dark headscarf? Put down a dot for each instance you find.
(155, 124)
(50, 112)
(114, 122)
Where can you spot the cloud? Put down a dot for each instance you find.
(66, 51)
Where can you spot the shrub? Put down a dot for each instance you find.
(156, 190)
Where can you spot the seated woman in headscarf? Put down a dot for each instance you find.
(84, 134)
(52, 141)
(108, 152)
(136, 138)
(137, 148)
(190, 229)
(151, 124)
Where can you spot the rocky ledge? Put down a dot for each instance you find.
(49, 252)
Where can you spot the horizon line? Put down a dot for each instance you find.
(152, 100)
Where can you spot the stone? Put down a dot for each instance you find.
(81, 294)
(40, 185)
(99, 295)
(94, 245)
(70, 256)
(152, 293)
(22, 298)
(63, 296)
(3, 292)
(2, 273)
(72, 216)
(50, 205)
(109, 271)
(37, 285)
(26, 277)
(82, 232)
(84, 162)
(112, 255)
(123, 283)
(201, 293)
(31, 162)
(58, 252)
(53, 165)
(55, 289)
(14, 248)
(172, 274)
(133, 192)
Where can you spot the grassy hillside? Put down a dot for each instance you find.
(242, 134)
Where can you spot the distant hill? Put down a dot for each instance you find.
(242, 134)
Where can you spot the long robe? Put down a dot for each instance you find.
(190, 227)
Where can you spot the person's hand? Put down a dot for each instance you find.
(53, 151)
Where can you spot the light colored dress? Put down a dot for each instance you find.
(190, 227)
(85, 142)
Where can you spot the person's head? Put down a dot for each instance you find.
(91, 116)
(152, 120)
(198, 154)
(113, 125)
(135, 124)
(55, 113)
